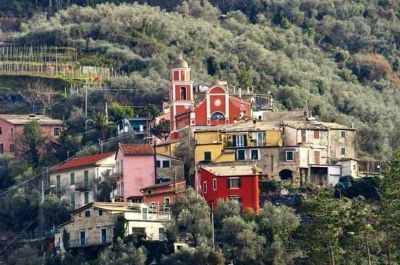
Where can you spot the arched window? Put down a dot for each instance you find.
(286, 175)
(183, 93)
(217, 116)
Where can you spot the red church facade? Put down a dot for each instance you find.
(239, 183)
(217, 107)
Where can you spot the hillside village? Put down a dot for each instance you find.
(174, 133)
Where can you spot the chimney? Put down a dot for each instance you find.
(254, 168)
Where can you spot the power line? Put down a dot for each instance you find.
(16, 186)
(19, 234)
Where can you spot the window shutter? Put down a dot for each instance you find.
(228, 183)
(234, 140)
(245, 140)
(240, 182)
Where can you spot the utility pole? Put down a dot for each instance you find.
(213, 230)
(86, 106)
(42, 191)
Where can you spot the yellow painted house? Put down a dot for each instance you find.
(244, 141)
(167, 148)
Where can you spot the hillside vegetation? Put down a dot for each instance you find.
(339, 58)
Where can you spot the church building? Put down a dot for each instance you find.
(216, 107)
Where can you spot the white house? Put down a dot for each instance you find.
(76, 180)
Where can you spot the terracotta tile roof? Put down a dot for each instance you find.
(162, 184)
(82, 161)
(136, 149)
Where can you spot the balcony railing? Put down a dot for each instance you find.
(88, 242)
(84, 186)
(116, 173)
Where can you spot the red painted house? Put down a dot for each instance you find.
(163, 194)
(217, 106)
(238, 183)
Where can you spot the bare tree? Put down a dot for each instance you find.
(41, 93)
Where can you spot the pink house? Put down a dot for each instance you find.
(134, 169)
(12, 125)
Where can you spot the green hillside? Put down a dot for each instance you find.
(338, 57)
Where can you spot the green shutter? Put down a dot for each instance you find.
(86, 178)
(234, 140)
(73, 200)
(245, 140)
(207, 156)
(86, 197)
(58, 182)
(72, 179)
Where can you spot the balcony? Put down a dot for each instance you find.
(90, 242)
(84, 186)
(116, 173)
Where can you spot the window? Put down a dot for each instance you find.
(183, 93)
(240, 154)
(259, 138)
(58, 182)
(100, 212)
(303, 136)
(72, 178)
(254, 154)
(289, 155)
(152, 205)
(166, 201)
(148, 192)
(234, 183)
(316, 134)
(165, 164)
(103, 235)
(207, 156)
(161, 233)
(1, 148)
(86, 197)
(204, 186)
(239, 140)
(82, 238)
(138, 231)
(343, 151)
(236, 199)
(343, 134)
(317, 157)
(86, 178)
(158, 163)
(87, 213)
(73, 200)
(57, 131)
(11, 131)
(214, 184)
(1, 131)
(145, 211)
(12, 148)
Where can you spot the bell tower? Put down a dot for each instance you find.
(181, 95)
